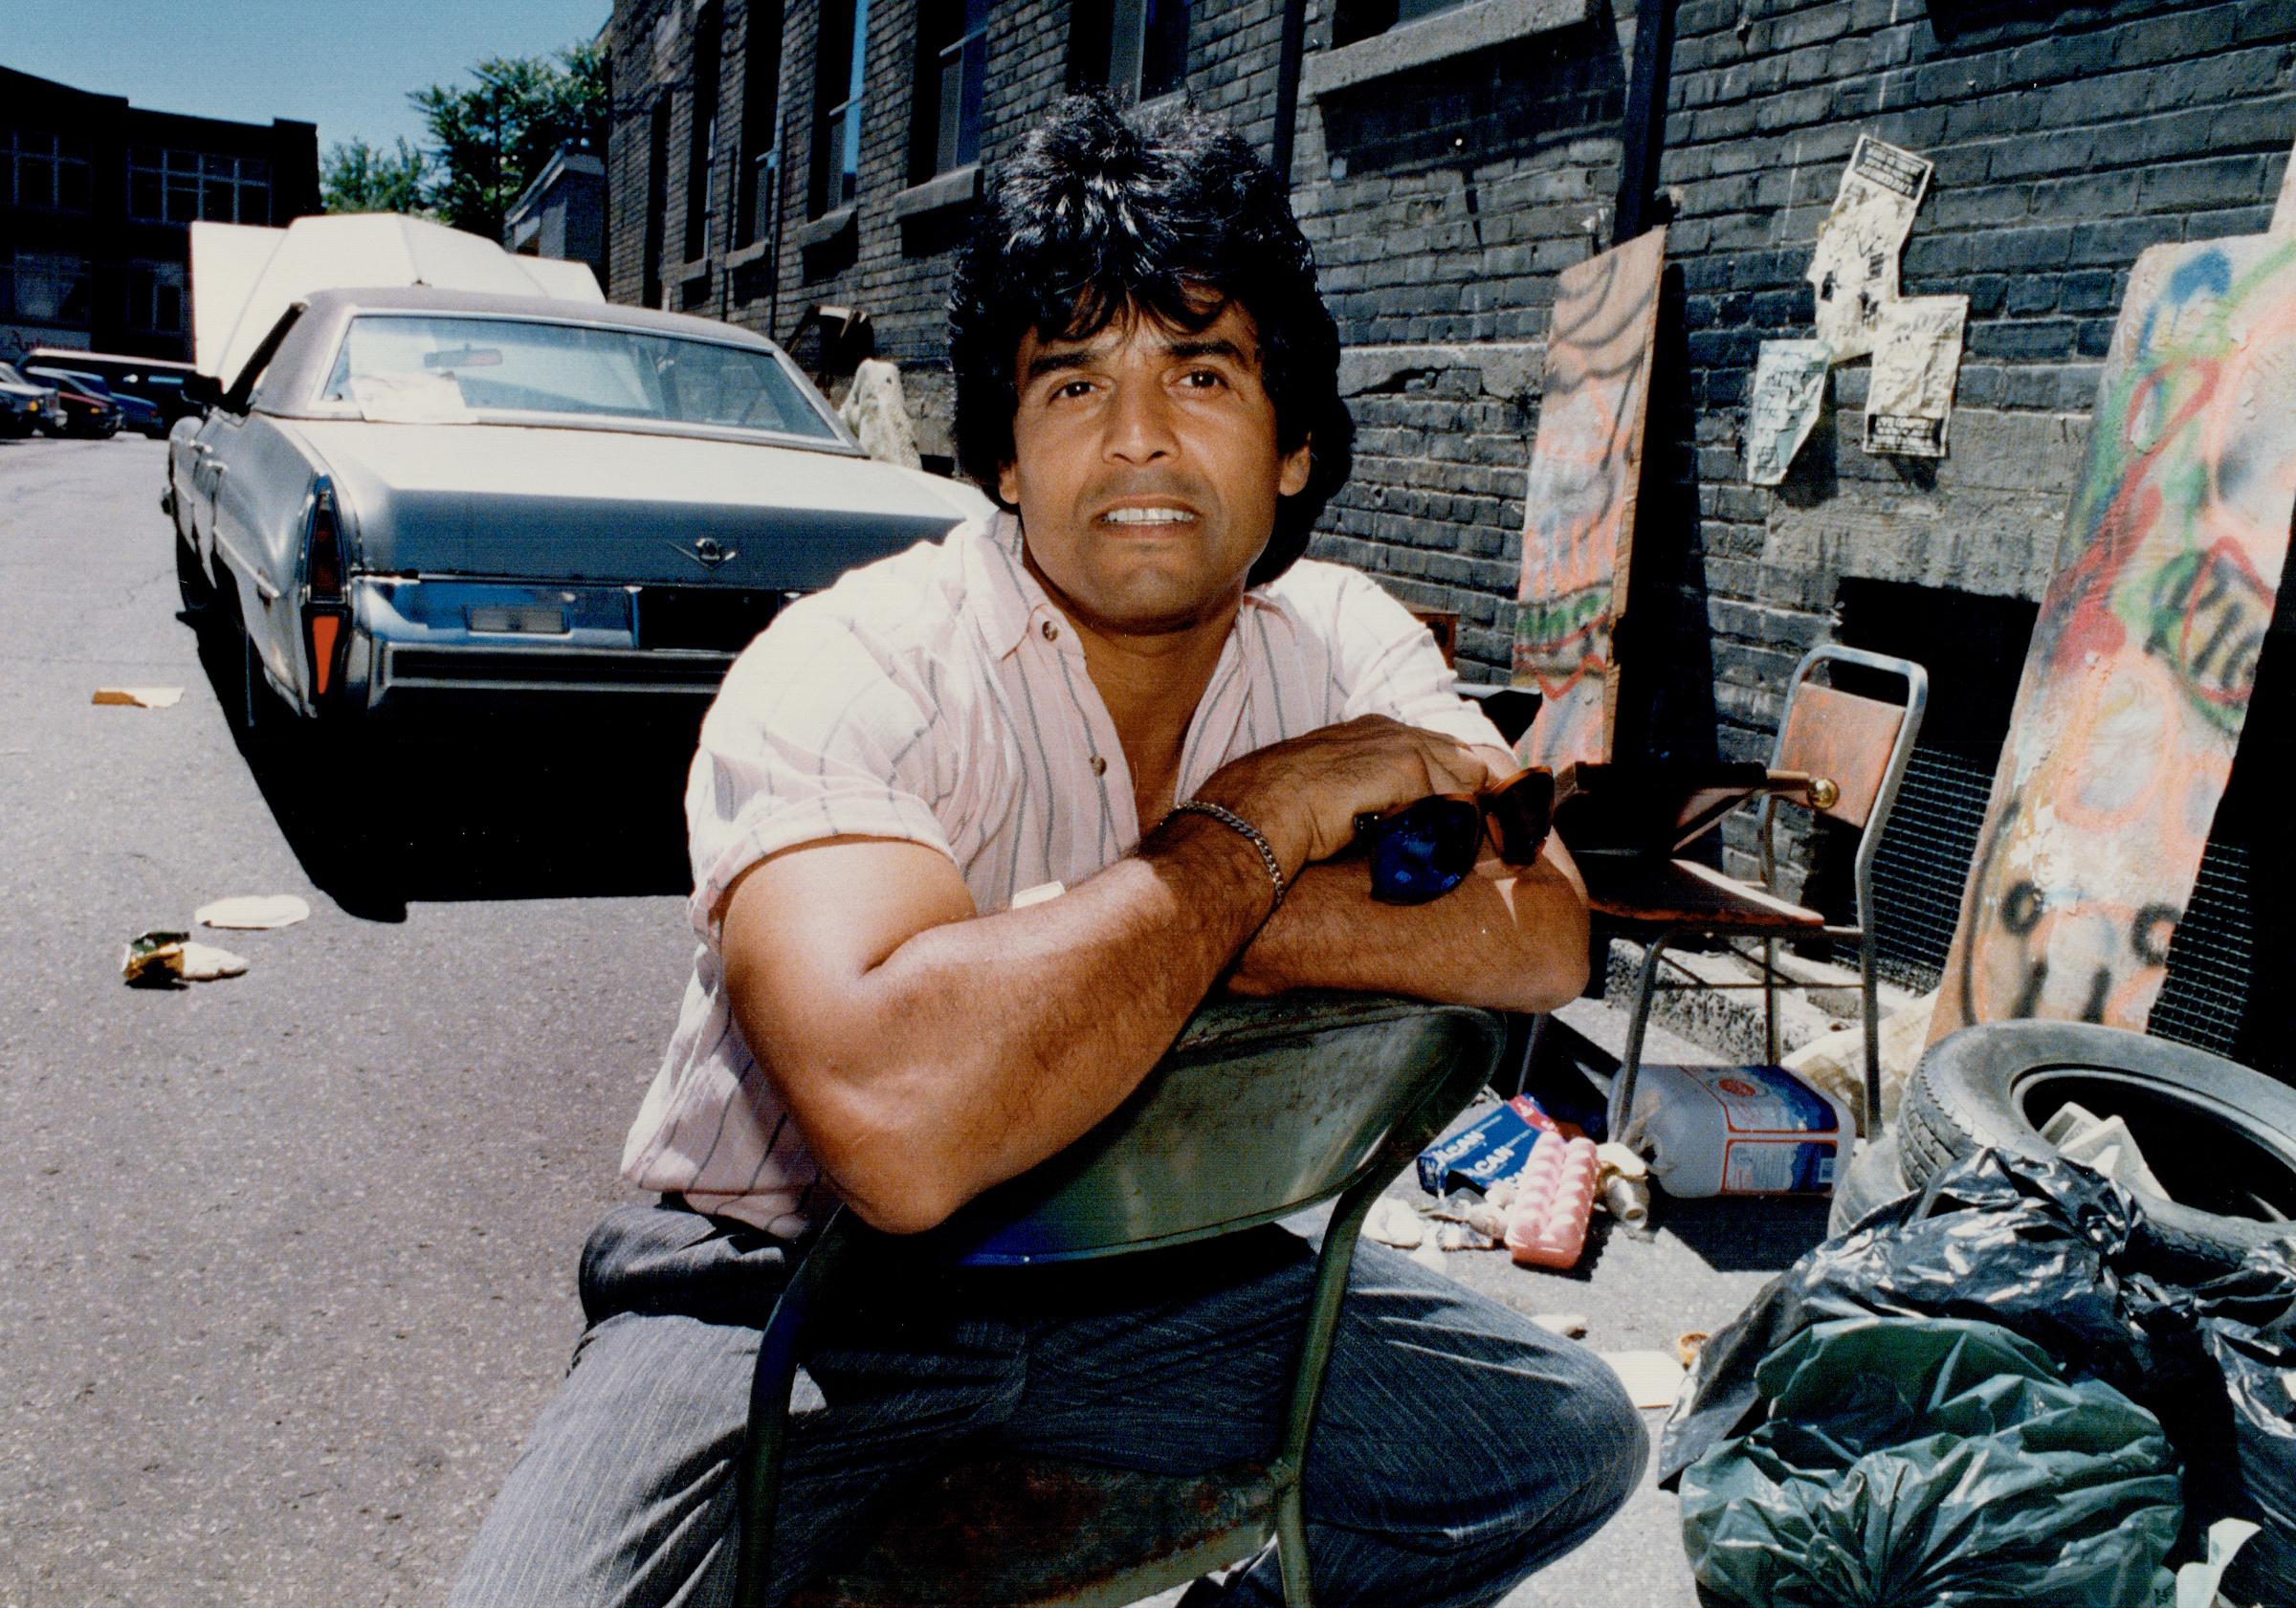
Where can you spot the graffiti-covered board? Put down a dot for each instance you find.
(1578, 508)
(2138, 678)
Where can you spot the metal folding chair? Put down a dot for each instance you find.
(1862, 745)
(1261, 1109)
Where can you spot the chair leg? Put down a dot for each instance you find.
(1638, 1027)
(1873, 1033)
(758, 1474)
(1534, 1041)
(1291, 1546)
(1770, 1044)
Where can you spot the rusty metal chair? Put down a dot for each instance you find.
(1859, 744)
(1260, 1111)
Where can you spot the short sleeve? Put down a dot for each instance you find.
(815, 733)
(1386, 663)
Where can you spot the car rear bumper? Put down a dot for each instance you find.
(419, 642)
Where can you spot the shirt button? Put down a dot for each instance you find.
(1099, 766)
(1051, 631)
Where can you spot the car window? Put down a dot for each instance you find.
(521, 365)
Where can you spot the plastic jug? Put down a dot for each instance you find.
(1738, 1130)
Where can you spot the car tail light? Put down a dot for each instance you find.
(322, 562)
(324, 628)
(324, 614)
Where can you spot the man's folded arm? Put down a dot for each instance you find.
(927, 1053)
(1509, 937)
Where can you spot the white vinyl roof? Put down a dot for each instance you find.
(244, 276)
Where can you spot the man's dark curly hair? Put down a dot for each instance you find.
(1098, 217)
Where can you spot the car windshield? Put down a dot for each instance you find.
(430, 369)
(10, 377)
(74, 376)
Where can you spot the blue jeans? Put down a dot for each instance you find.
(1458, 1447)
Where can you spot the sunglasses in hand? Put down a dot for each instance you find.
(1424, 849)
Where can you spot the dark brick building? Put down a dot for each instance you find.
(96, 199)
(1448, 160)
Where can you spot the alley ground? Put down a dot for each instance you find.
(286, 1262)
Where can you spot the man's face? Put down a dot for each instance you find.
(1146, 470)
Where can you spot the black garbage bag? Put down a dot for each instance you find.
(2248, 1328)
(2058, 1255)
(1907, 1463)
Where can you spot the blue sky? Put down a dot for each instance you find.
(346, 65)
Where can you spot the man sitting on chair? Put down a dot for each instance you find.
(1128, 692)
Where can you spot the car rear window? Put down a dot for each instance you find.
(442, 368)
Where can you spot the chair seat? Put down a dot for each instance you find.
(1012, 1532)
(1642, 892)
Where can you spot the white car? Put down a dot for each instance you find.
(413, 495)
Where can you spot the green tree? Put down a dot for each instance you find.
(489, 141)
(358, 178)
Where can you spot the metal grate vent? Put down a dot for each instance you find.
(1922, 865)
(2212, 958)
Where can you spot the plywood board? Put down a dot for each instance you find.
(1586, 469)
(2138, 680)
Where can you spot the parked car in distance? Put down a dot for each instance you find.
(84, 408)
(158, 381)
(23, 407)
(427, 498)
(134, 413)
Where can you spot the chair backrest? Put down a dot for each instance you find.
(1260, 1110)
(1859, 743)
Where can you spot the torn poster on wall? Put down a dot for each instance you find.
(1586, 471)
(1854, 269)
(1789, 391)
(1916, 357)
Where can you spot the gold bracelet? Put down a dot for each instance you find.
(1250, 834)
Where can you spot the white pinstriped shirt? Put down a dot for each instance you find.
(939, 697)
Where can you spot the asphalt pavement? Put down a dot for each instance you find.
(286, 1261)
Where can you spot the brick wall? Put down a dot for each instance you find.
(1443, 201)
(2066, 139)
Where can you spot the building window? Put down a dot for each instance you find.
(185, 186)
(841, 56)
(952, 69)
(701, 153)
(657, 195)
(1137, 49)
(49, 171)
(756, 180)
(1361, 19)
(45, 288)
(155, 298)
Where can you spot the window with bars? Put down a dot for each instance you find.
(841, 59)
(187, 186)
(48, 171)
(756, 181)
(952, 70)
(1136, 49)
(701, 153)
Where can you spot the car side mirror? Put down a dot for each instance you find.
(202, 390)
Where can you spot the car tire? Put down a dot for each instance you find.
(2220, 1137)
(1874, 1178)
(191, 583)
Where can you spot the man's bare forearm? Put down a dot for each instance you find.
(1514, 941)
(980, 1046)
